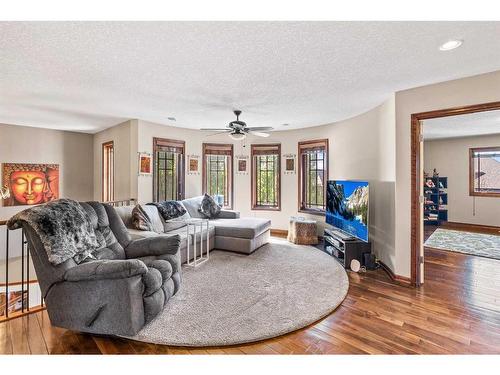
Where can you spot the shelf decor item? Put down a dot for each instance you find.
(435, 199)
(145, 164)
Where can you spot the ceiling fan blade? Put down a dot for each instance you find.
(218, 133)
(260, 128)
(260, 134)
(215, 129)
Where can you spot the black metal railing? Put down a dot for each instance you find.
(19, 294)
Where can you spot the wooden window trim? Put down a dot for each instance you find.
(265, 149)
(311, 145)
(105, 146)
(175, 146)
(472, 192)
(219, 149)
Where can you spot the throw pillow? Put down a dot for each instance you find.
(209, 208)
(169, 209)
(141, 220)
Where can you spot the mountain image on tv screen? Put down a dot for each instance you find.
(347, 207)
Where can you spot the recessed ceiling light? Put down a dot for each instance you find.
(450, 44)
(285, 124)
(171, 118)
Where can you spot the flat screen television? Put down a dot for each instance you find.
(347, 207)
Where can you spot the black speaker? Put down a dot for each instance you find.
(369, 261)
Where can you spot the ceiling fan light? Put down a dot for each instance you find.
(237, 136)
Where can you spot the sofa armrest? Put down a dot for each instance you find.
(159, 245)
(106, 269)
(229, 214)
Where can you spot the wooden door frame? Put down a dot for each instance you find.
(416, 150)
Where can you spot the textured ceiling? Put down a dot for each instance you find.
(87, 76)
(481, 123)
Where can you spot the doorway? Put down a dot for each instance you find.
(439, 184)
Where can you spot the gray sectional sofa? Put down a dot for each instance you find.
(227, 232)
(125, 285)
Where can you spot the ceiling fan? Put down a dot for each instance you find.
(238, 129)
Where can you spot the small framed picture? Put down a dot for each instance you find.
(193, 164)
(145, 164)
(290, 163)
(241, 164)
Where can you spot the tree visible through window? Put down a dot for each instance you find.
(484, 176)
(266, 176)
(108, 172)
(313, 174)
(217, 171)
(168, 174)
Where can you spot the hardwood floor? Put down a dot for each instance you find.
(456, 311)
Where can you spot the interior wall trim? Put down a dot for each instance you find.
(479, 227)
(402, 280)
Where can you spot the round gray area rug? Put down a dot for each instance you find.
(234, 299)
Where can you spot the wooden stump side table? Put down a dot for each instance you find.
(302, 231)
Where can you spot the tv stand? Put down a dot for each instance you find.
(344, 247)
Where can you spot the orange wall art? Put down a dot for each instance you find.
(30, 184)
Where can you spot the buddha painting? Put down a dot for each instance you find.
(31, 184)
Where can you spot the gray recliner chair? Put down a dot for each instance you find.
(126, 287)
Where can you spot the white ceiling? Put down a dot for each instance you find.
(473, 124)
(86, 76)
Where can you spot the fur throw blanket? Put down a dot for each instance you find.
(64, 228)
(169, 209)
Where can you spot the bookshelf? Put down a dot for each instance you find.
(435, 200)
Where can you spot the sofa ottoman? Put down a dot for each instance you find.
(242, 235)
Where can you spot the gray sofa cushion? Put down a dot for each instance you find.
(125, 213)
(136, 234)
(192, 205)
(247, 227)
(170, 225)
(102, 226)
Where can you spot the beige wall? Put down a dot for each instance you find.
(467, 91)
(124, 136)
(451, 159)
(72, 151)
(360, 148)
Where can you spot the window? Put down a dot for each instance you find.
(313, 174)
(218, 171)
(484, 176)
(108, 172)
(266, 177)
(168, 173)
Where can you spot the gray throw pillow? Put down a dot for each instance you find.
(209, 208)
(169, 209)
(141, 220)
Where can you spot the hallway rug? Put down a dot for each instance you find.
(479, 244)
(235, 298)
